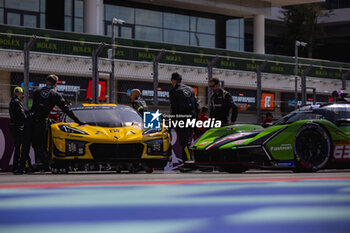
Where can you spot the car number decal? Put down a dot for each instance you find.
(341, 152)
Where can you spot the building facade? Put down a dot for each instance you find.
(191, 33)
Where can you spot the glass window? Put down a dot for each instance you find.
(42, 21)
(241, 44)
(120, 12)
(176, 37)
(43, 6)
(232, 27)
(126, 32)
(205, 25)
(148, 33)
(241, 28)
(232, 43)
(68, 23)
(78, 8)
(203, 40)
(147, 17)
(1, 16)
(68, 7)
(109, 30)
(29, 21)
(13, 19)
(1, 3)
(78, 25)
(118, 116)
(176, 21)
(29, 5)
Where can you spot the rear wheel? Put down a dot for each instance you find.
(312, 148)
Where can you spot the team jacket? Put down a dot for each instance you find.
(140, 105)
(220, 105)
(44, 99)
(17, 112)
(183, 100)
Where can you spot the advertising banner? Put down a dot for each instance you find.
(71, 87)
(146, 88)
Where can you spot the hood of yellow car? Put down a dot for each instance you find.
(106, 134)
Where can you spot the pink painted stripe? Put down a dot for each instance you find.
(166, 182)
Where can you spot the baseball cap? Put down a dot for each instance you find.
(18, 89)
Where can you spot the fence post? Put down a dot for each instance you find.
(259, 69)
(210, 76)
(155, 79)
(95, 79)
(303, 84)
(27, 47)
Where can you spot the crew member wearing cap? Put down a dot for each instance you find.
(44, 99)
(17, 115)
(138, 103)
(183, 102)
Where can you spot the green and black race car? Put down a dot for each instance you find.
(308, 139)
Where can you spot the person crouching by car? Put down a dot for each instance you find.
(137, 102)
(268, 120)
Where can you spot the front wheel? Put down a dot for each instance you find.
(312, 148)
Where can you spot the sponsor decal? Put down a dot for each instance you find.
(285, 164)
(113, 130)
(282, 147)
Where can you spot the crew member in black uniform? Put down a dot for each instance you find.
(44, 99)
(138, 103)
(183, 102)
(17, 115)
(221, 103)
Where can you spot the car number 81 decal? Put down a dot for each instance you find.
(341, 152)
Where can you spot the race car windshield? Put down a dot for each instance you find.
(297, 116)
(106, 116)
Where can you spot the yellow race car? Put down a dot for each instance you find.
(113, 134)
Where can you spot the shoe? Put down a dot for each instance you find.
(184, 169)
(17, 172)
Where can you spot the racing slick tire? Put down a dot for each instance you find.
(312, 148)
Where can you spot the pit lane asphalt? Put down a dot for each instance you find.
(96, 177)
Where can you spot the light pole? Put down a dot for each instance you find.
(111, 82)
(297, 44)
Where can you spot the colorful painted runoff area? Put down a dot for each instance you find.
(251, 205)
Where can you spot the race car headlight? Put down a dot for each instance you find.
(75, 148)
(70, 129)
(149, 131)
(155, 146)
